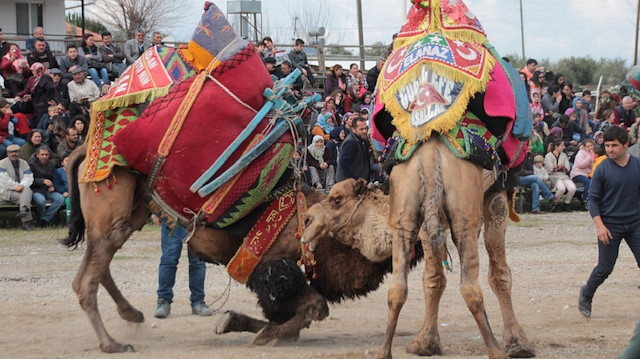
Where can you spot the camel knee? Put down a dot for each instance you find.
(500, 279)
(120, 232)
(472, 295)
(397, 295)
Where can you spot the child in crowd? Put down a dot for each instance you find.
(539, 170)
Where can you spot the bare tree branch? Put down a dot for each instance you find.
(147, 15)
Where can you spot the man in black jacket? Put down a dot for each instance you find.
(353, 161)
(43, 170)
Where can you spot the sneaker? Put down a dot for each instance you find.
(163, 309)
(26, 226)
(584, 304)
(23, 213)
(555, 200)
(201, 308)
(318, 186)
(538, 212)
(566, 207)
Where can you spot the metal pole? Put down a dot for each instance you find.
(360, 35)
(635, 49)
(82, 11)
(522, 31)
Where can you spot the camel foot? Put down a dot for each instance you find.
(237, 322)
(517, 350)
(382, 354)
(116, 347)
(273, 332)
(424, 348)
(132, 315)
(496, 353)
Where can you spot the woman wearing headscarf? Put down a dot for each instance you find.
(15, 68)
(581, 115)
(321, 164)
(326, 121)
(40, 90)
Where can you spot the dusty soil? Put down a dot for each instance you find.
(550, 255)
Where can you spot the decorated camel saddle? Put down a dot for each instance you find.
(444, 78)
(210, 130)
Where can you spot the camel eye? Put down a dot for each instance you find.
(336, 201)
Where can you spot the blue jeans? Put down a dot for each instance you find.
(587, 182)
(537, 185)
(40, 200)
(96, 79)
(608, 254)
(171, 250)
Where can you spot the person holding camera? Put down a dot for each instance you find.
(81, 92)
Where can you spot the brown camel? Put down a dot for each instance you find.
(432, 191)
(110, 215)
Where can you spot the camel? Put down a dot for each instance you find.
(110, 214)
(432, 191)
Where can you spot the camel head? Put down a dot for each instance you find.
(353, 215)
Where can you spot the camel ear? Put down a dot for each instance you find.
(361, 186)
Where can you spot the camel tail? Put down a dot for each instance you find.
(76, 220)
(434, 205)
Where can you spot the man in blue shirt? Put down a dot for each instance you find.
(614, 207)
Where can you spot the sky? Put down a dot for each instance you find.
(553, 29)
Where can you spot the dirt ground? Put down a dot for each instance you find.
(551, 256)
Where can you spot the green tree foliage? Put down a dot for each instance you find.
(338, 50)
(612, 71)
(376, 49)
(91, 25)
(578, 70)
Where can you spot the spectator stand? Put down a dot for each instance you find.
(524, 194)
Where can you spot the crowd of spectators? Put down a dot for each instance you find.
(44, 113)
(567, 135)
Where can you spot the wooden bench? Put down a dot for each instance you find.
(523, 193)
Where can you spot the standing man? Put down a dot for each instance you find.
(15, 184)
(615, 209)
(353, 161)
(43, 171)
(135, 47)
(171, 249)
(112, 55)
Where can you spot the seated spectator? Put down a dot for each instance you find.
(7, 138)
(567, 97)
(537, 144)
(326, 122)
(335, 141)
(365, 101)
(46, 120)
(572, 133)
(135, 47)
(260, 49)
(42, 55)
(554, 133)
(30, 43)
(297, 85)
(353, 161)
(372, 75)
(624, 114)
(335, 80)
(112, 55)
(40, 91)
(81, 92)
(60, 182)
(340, 102)
(608, 119)
(34, 140)
(43, 169)
(536, 106)
(582, 167)
(540, 126)
(535, 181)
(527, 84)
(320, 164)
(80, 124)
(70, 61)
(69, 144)
(280, 55)
(270, 64)
(4, 46)
(538, 82)
(61, 90)
(156, 39)
(582, 116)
(557, 164)
(16, 72)
(551, 104)
(15, 185)
(586, 100)
(298, 59)
(97, 68)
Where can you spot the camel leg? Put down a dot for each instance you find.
(237, 322)
(125, 309)
(94, 268)
(495, 213)
(404, 222)
(427, 342)
(309, 306)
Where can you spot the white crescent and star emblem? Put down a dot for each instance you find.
(469, 56)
